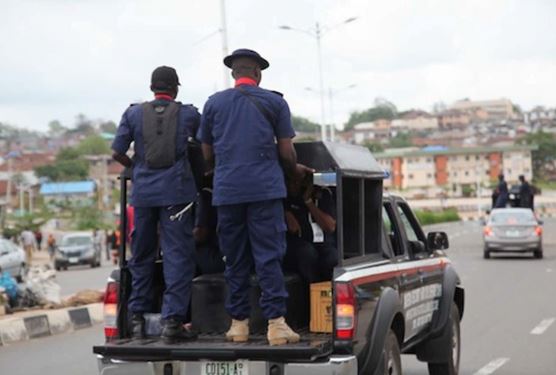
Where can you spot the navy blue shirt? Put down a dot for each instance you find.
(158, 187)
(247, 168)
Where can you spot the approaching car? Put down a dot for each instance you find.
(76, 249)
(12, 259)
(512, 230)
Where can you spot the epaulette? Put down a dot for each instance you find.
(132, 104)
(277, 93)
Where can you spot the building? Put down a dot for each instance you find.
(81, 193)
(375, 131)
(498, 109)
(415, 121)
(453, 168)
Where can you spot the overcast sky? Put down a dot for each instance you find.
(59, 58)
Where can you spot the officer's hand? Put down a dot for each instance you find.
(308, 193)
(293, 225)
(301, 171)
(200, 234)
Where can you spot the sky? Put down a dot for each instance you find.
(59, 58)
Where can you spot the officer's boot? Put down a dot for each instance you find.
(279, 333)
(239, 331)
(137, 326)
(173, 330)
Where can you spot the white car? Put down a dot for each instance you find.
(12, 259)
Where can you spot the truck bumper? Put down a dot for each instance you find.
(335, 365)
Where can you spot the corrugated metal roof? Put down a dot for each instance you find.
(454, 151)
(73, 187)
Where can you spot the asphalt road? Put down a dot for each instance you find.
(83, 277)
(507, 329)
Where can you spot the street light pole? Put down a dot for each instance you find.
(224, 34)
(318, 35)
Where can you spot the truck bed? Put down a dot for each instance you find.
(312, 346)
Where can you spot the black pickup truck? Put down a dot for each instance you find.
(394, 292)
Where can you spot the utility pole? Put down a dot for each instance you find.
(224, 34)
(318, 35)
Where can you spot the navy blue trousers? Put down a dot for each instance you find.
(178, 246)
(254, 232)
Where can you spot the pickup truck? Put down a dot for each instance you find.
(394, 292)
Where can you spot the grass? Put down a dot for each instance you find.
(434, 217)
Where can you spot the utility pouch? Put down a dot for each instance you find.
(160, 124)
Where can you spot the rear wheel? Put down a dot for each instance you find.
(486, 253)
(452, 366)
(392, 355)
(538, 253)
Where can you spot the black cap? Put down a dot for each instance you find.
(164, 78)
(244, 52)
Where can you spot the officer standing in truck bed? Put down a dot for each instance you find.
(238, 130)
(162, 187)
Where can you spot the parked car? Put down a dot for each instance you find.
(513, 230)
(76, 249)
(393, 292)
(12, 259)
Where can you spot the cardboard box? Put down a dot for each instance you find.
(321, 307)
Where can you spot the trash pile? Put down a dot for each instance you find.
(40, 290)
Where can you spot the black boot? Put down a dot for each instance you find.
(137, 328)
(173, 330)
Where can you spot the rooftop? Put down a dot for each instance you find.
(453, 151)
(73, 187)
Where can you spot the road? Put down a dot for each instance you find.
(506, 328)
(83, 277)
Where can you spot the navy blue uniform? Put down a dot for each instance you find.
(313, 260)
(156, 195)
(502, 198)
(248, 192)
(208, 257)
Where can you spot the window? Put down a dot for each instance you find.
(477, 157)
(392, 232)
(411, 235)
(411, 176)
(415, 236)
(467, 173)
(467, 158)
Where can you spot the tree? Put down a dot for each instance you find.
(544, 158)
(83, 125)
(374, 147)
(67, 153)
(64, 170)
(301, 124)
(400, 140)
(55, 128)
(108, 127)
(383, 109)
(93, 145)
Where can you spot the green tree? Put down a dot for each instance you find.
(108, 127)
(382, 109)
(93, 145)
(374, 147)
(400, 140)
(67, 153)
(55, 128)
(544, 158)
(301, 124)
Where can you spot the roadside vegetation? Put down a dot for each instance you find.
(427, 217)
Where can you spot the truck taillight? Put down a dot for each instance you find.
(345, 311)
(111, 311)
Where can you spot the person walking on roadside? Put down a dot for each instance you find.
(501, 193)
(51, 244)
(29, 242)
(239, 130)
(163, 189)
(38, 238)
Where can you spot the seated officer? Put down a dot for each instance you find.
(207, 253)
(162, 187)
(311, 245)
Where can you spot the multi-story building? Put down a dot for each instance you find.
(375, 131)
(415, 121)
(497, 109)
(455, 167)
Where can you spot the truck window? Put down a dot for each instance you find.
(392, 232)
(415, 236)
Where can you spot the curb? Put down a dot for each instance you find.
(49, 322)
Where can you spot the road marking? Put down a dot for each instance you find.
(543, 326)
(492, 366)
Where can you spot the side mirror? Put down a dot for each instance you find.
(438, 241)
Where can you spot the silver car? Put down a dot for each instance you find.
(12, 259)
(513, 230)
(76, 249)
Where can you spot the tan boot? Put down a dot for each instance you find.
(239, 331)
(279, 333)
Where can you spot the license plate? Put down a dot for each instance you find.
(512, 233)
(73, 260)
(224, 368)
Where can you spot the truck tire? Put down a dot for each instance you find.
(486, 253)
(452, 366)
(392, 355)
(538, 253)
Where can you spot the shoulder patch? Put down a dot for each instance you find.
(132, 104)
(277, 93)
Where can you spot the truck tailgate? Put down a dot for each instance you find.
(311, 346)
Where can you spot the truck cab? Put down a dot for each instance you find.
(393, 291)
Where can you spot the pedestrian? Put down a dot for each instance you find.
(29, 242)
(51, 243)
(163, 188)
(238, 130)
(501, 192)
(116, 246)
(38, 238)
(525, 193)
(108, 236)
(97, 241)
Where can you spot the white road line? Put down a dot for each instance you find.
(543, 326)
(492, 366)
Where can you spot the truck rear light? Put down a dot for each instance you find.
(538, 230)
(111, 311)
(487, 231)
(346, 314)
